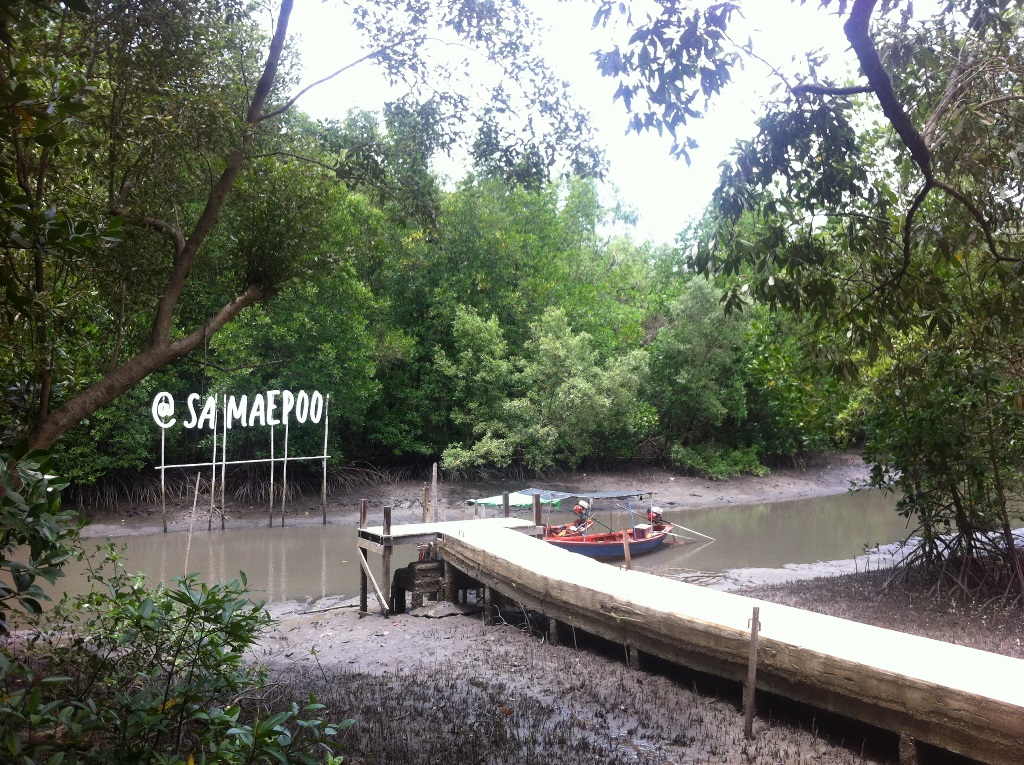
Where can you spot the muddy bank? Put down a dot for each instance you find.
(829, 474)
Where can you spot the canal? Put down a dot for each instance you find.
(299, 562)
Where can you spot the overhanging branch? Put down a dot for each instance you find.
(857, 30)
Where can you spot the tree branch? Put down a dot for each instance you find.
(830, 90)
(857, 30)
(184, 259)
(136, 369)
(291, 101)
(975, 212)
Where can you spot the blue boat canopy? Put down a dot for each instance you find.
(524, 498)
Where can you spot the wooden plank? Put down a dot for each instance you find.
(380, 596)
(386, 555)
(401, 534)
(960, 699)
(366, 544)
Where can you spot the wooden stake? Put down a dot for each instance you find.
(748, 690)
(366, 573)
(426, 503)
(504, 504)
(386, 565)
(625, 548)
(363, 565)
(433, 494)
(537, 517)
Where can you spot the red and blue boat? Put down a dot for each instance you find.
(577, 536)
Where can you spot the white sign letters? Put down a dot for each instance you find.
(274, 407)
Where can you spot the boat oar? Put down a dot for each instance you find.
(690, 530)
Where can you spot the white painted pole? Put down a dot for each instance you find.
(163, 479)
(284, 474)
(323, 486)
(270, 504)
(213, 474)
(224, 462)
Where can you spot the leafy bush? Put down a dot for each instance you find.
(718, 462)
(32, 522)
(129, 674)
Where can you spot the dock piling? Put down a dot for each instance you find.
(364, 511)
(386, 555)
(748, 689)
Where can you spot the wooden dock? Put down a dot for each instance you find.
(957, 699)
(384, 538)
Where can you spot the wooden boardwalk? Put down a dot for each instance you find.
(958, 699)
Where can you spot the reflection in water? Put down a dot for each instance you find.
(280, 564)
(772, 535)
(283, 564)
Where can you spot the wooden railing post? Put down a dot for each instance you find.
(386, 565)
(364, 509)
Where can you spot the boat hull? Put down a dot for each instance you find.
(610, 544)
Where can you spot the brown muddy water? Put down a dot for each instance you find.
(300, 562)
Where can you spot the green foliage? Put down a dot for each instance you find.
(945, 431)
(139, 675)
(717, 462)
(36, 535)
(114, 439)
(562, 405)
(795, 405)
(129, 674)
(698, 366)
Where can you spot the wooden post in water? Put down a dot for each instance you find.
(538, 519)
(364, 509)
(748, 689)
(386, 565)
(426, 504)
(433, 494)
(504, 504)
(625, 548)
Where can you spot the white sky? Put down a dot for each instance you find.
(664, 191)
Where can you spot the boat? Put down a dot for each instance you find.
(642, 537)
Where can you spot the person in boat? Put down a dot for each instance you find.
(583, 521)
(654, 515)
